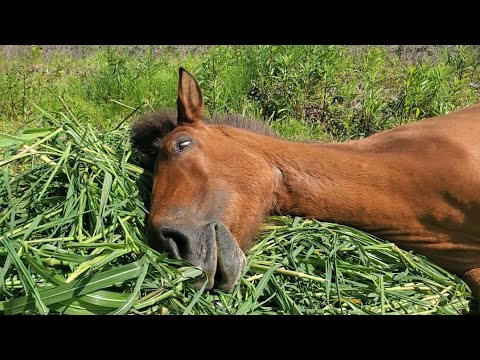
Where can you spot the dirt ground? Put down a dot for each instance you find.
(405, 52)
(13, 51)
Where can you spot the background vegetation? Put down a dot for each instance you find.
(72, 199)
(305, 92)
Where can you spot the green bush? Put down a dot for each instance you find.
(305, 92)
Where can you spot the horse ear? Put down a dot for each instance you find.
(190, 101)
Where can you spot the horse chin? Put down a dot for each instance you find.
(228, 261)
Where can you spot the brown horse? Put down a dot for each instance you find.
(417, 185)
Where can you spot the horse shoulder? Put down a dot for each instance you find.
(454, 133)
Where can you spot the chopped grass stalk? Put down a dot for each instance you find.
(72, 242)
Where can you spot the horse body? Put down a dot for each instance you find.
(417, 185)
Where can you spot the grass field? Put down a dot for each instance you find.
(72, 196)
(305, 92)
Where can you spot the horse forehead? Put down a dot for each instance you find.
(208, 134)
(213, 138)
(192, 129)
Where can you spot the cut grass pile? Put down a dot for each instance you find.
(72, 214)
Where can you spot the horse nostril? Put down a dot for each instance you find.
(173, 241)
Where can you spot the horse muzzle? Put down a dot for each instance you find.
(210, 247)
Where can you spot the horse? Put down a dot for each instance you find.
(215, 180)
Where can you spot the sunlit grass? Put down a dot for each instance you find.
(72, 215)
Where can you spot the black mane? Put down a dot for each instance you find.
(239, 122)
(149, 130)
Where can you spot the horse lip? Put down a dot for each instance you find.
(212, 248)
(231, 261)
(227, 264)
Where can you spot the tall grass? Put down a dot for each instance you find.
(305, 92)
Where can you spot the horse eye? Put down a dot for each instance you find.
(182, 145)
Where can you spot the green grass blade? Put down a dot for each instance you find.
(250, 304)
(26, 136)
(54, 171)
(131, 299)
(107, 185)
(26, 279)
(195, 298)
(79, 287)
(47, 274)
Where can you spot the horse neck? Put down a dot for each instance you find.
(330, 182)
